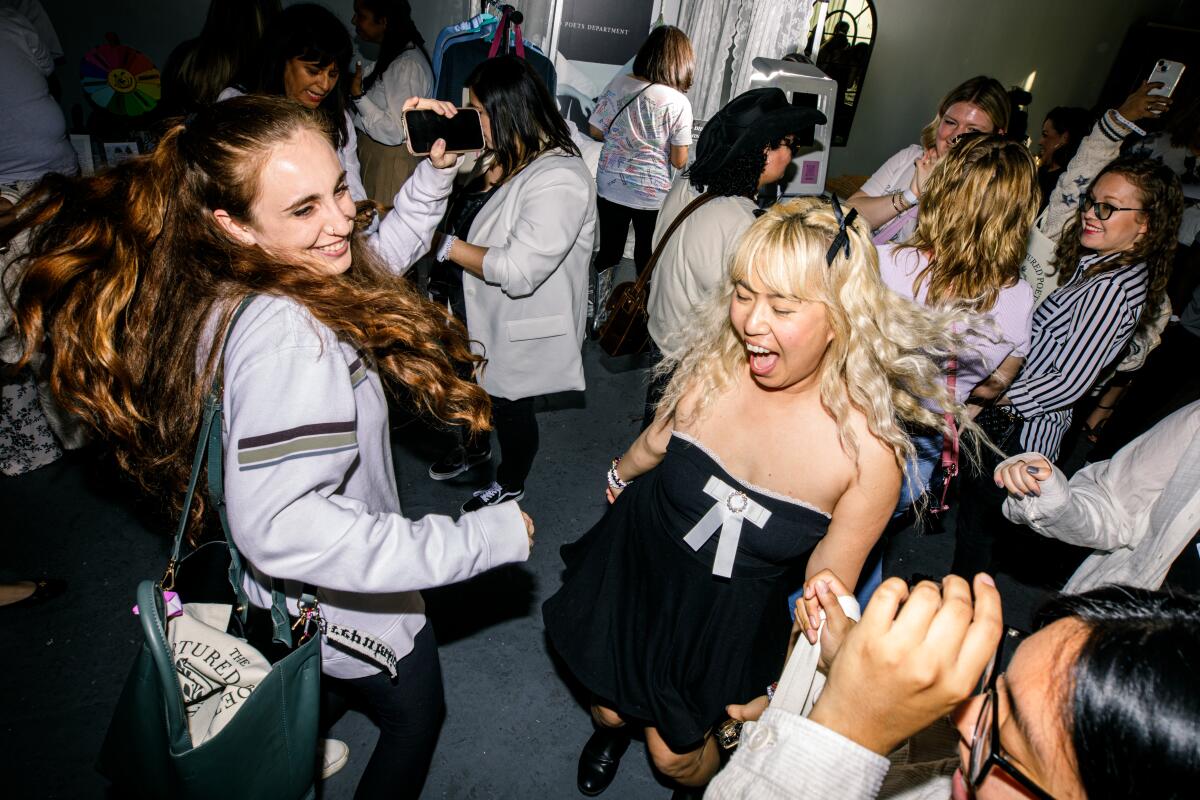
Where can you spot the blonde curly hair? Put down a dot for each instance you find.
(887, 356)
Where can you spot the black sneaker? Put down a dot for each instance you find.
(492, 495)
(456, 462)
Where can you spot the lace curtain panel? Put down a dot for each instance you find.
(752, 28)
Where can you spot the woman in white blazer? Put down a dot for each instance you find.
(525, 268)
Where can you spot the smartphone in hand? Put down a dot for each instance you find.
(463, 132)
(1168, 74)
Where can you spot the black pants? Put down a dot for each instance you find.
(614, 220)
(409, 713)
(986, 541)
(517, 431)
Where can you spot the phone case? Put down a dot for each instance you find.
(408, 138)
(1168, 74)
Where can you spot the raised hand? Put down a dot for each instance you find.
(913, 658)
(1143, 105)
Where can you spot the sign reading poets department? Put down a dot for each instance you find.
(604, 31)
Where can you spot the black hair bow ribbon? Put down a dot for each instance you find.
(842, 240)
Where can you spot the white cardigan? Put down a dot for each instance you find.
(309, 480)
(527, 314)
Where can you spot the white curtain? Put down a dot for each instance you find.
(710, 24)
(752, 28)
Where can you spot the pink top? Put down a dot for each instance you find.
(1012, 315)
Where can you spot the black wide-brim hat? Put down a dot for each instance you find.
(748, 121)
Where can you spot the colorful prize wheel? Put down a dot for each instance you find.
(120, 79)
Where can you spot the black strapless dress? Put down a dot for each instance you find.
(645, 624)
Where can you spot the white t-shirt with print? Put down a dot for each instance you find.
(895, 175)
(634, 167)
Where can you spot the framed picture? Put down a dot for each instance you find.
(116, 152)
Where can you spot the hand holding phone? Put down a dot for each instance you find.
(1168, 74)
(461, 131)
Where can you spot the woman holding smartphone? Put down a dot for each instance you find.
(246, 201)
(525, 268)
(1115, 257)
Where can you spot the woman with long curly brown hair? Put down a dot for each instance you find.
(133, 277)
(1115, 257)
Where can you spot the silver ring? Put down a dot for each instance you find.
(740, 506)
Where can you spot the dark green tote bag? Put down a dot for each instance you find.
(269, 748)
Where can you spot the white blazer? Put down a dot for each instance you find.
(527, 315)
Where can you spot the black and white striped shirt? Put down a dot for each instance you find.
(1078, 331)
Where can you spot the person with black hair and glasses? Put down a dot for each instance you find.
(378, 93)
(1099, 703)
(745, 147)
(305, 52)
(524, 257)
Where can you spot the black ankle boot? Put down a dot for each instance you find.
(600, 758)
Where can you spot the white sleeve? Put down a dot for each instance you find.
(380, 109)
(348, 155)
(787, 756)
(681, 128)
(878, 184)
(406, 233)
(1102, 504)
(553, 207)
(291, 443)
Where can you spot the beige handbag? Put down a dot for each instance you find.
(1037, 268)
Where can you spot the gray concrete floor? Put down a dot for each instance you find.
(515, 723)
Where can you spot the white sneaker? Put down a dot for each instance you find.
(334, 755)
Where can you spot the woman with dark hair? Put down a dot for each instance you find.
(1099, 703)
(645, 121)
(305, 52)
(1115, 258)
(134, 276)
(524, 253)
(403, 70)
(1062, 131)
(224, 54)
(891, 194)
(745, 147)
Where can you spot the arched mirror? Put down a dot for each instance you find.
(846, 42)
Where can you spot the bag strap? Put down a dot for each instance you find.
(628, 103)
(888, 230)
(154, 633)
(801, 683)
(209, 444)
(644, 279)
(949, 441)
(211, 405)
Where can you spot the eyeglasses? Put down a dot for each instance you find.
(1103, 210)
(985, 744)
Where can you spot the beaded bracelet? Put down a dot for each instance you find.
(443, 252)
(771, 691)
(614, 480)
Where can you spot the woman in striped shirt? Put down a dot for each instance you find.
(1116, 256)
